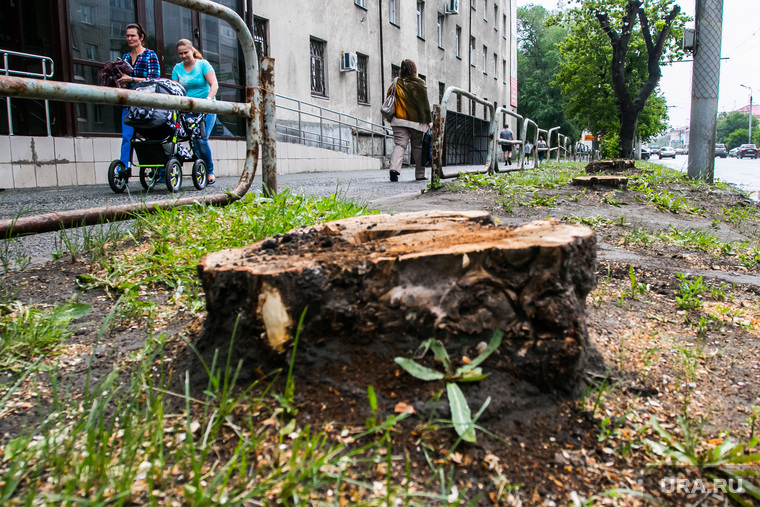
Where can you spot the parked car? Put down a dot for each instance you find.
(748, 150)
(667, 151)
(644, 154)
(734, 152)
(679, 151)
(654, 150)
(720, 150)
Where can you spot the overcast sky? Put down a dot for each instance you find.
(740, 50)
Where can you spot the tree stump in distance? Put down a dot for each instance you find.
(616, 165)
(605, 181)
(379, 279)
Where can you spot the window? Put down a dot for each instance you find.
(495, 62)
(472, 4)
(472, 51)
(395, 71)
(473, 106)
(421, 76)
(392, 15)
(420, 19)
(362, 94)
(85, 12)
(459, 103)
(260, 30)
(318, 68)
(440, 31)
(504, 26)
(360, 3)
(504, 71)
(458, 41)
(485, 56)
(441, 91)
(496, 17)
(485, 10)
(91, 51)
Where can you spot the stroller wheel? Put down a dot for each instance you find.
(117, 176)
(149, 177)
(173, 173)
(200, 175)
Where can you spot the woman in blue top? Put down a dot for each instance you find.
(145, 64)
(199, 80)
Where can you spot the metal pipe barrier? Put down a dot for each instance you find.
(549, 143)
(45, 74)
(518, 141)
(439, 128)
(524, 135)
(251, 110)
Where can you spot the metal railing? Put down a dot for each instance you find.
(493, 112)
(329, 129)
(48, 69)
(256, 111)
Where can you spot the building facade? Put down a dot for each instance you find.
(339, 54)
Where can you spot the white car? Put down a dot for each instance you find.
(667, 151)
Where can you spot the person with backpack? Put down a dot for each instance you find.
(145, 66)
(199, 79)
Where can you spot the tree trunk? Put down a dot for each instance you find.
(628, 122)
(386, 280)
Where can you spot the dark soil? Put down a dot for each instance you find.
(648, 358)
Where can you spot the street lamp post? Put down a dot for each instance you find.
(749, 140)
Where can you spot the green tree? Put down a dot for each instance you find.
(730, 125)
(537, 64)
(610, 65)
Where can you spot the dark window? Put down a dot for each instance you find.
(362, 94)
(395, 71)
(441, 91)
(260, 32)
(459, 103)
(473, 106)
(318, 68)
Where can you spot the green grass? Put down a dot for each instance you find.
(171, 243)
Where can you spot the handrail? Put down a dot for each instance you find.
(251, 110)
(44, 60)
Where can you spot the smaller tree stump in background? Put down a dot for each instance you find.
(380, 280)
(616, 165)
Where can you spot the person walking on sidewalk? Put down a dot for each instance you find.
(145, 66)
(541, 148)
(507, 147)
(411, 120)
(199, 79)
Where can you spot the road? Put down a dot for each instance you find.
(744, 173)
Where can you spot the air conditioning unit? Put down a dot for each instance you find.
(452, 7)
(348, 62)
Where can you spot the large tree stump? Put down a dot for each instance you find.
(384, 278)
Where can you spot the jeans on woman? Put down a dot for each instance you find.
(126, 136)
(402, 136)
(201, 147)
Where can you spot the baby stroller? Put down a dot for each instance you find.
(157, 143)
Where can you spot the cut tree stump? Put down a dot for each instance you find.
(605, 181)
(381, 280)
(617, 165)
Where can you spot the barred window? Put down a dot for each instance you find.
(441, 91)
(459, 103)
(318, 67)
(362, 93)
(260, 36)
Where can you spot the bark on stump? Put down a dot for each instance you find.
(617, 165)
(407, 277)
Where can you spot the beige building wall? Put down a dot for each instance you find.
(346, 27)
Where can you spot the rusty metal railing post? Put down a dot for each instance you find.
(269, 128)
(73, 92)
(437, 142)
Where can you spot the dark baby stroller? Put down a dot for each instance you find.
(157, 143)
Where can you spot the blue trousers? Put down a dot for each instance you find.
(201, 147)
(126, 136)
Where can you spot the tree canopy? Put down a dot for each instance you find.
(537, 64)
(588, 78)
(733, 129)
